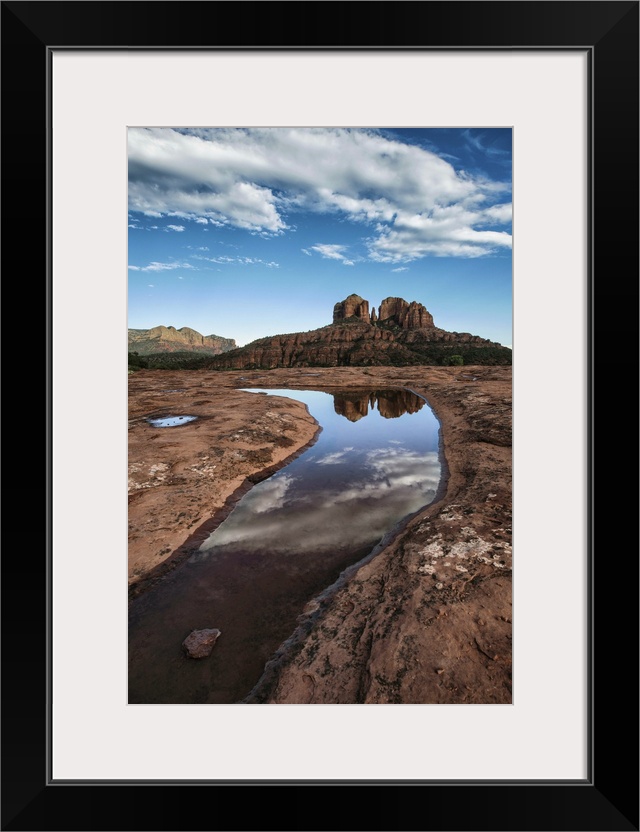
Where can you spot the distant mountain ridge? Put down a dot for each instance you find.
(170, 339)
(401, 333)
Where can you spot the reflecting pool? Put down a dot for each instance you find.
(368, 469)
(375, 462)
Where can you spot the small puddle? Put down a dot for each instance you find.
(171, 421)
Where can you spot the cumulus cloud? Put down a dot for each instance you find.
(414, 202)
(400, 269)
(498, 213)
(446, 231)
(174, 228)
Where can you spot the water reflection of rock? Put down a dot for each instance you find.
(390, 403)
(352, 407)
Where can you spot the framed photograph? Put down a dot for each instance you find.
(562, 79)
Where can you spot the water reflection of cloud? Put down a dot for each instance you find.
(263, 499)
(271, 494)
(337, 498)
(335, 458)
(400, 467)
(393, 470)
(394, 483)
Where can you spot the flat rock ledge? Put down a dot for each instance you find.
(199, 644)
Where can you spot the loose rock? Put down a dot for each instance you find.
(199, 644)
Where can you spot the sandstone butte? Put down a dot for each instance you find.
(399, 333)
(428, 618)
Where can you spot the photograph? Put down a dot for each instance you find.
(319, 439)
(368, 257)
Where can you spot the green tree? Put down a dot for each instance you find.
(136, 362)
(455, 361)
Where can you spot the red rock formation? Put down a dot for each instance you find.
(392, 307)
(407, 315)
(373, 315)
(352, 307)
(351, 340)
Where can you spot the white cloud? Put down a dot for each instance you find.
(202, 220)
(445, 231)
(330, 251)
(415, 202)
(174, 228)
(307, 252)
(499, 213)
(160, 267)
(225, 260)
(151, 285)
(333, 251)
(400, 269)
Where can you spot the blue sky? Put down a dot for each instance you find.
(251, 232)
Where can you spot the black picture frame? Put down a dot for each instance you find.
(608, 798)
